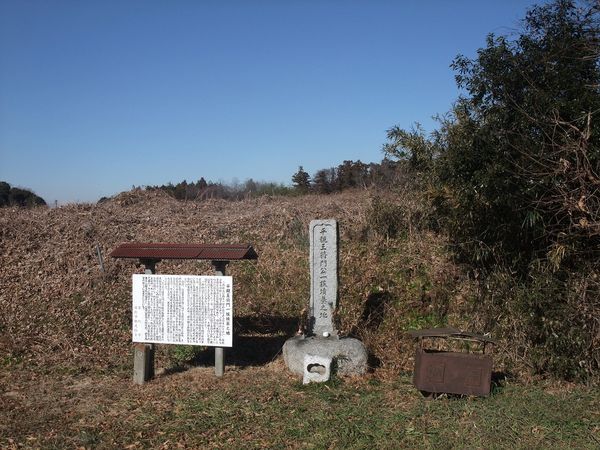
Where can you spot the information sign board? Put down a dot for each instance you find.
(183, 309)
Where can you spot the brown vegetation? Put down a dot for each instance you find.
(65, 351)
(61, 310)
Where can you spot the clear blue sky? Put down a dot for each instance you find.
(97, 96)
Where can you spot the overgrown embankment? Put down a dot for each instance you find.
(60, 310)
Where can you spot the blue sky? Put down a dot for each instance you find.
(97, 96)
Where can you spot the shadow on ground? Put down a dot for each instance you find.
(371, 319)
(257, 341)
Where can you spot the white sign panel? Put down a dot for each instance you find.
(183, 309)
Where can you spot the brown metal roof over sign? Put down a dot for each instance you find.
(214, 252)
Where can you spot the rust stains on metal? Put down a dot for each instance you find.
(214, 252)
(440, 371)
(452, 373)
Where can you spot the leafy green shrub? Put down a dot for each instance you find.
(550, 323)
(515, 169)
(522, 151)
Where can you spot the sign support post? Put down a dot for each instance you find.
(219, 267)
(143, 354)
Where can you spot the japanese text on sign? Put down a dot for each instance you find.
(183, 309)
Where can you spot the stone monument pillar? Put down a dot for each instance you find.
(323, 277)
(315, 354)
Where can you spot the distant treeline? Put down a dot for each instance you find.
(14, 196)
(203, 190)
(349, 174)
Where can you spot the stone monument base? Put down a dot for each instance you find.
(348, 354)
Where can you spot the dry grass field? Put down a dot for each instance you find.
(65, 339)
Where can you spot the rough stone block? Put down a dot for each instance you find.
(317, 369)
(348, 354)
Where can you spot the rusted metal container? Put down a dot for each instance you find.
(452, 372)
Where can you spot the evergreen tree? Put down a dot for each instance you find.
(301, 180)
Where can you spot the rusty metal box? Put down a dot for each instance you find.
(452, 372)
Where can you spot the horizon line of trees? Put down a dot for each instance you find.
(203, 190)
(348, 175)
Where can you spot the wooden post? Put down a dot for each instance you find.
(219, 351)
(143, 354)
(100, 259)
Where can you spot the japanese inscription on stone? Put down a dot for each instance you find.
(183, 309)
(324, 276)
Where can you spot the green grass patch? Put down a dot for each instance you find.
(264, 408)
(338, 415)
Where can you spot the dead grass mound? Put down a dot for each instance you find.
(60, 311)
